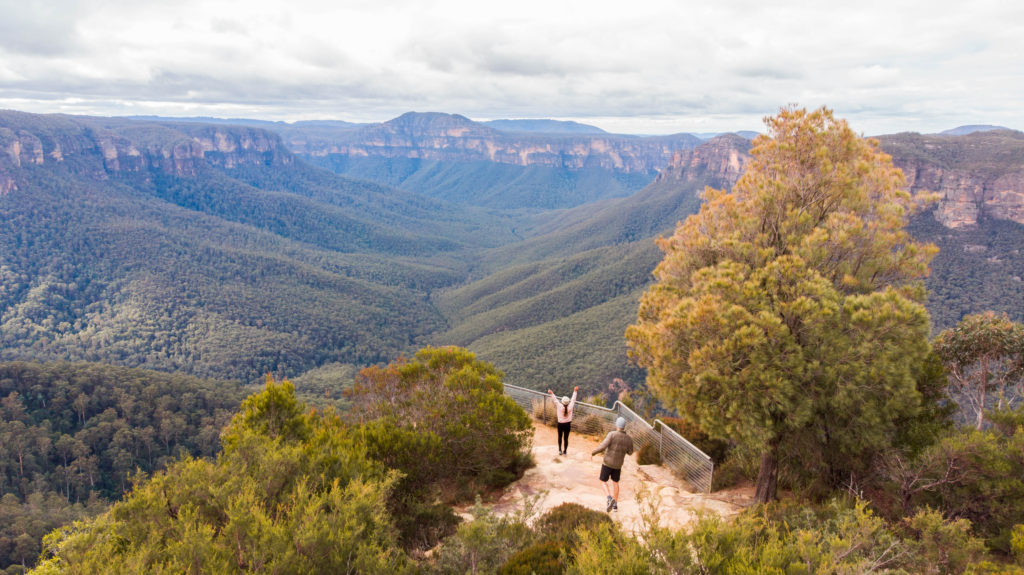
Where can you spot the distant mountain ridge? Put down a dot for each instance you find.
(436, 136)
(970, 129)
(544, 126)
(450, 157)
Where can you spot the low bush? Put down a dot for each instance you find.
(541, 558)
(588, 424)
(544, 412)
(648, 455)
(716, 449)
(561, 523)
(483, 437)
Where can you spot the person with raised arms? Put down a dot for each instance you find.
(563, 410)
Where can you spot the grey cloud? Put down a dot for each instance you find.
(39, 28)
(767, 72)
(225, 26)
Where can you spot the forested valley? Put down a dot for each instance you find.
(199, 251)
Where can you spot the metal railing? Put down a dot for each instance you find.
(688, 463)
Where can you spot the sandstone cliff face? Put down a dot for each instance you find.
(977, 174)
(980, 174)
(719, 162)
(104, 147)
(456, 138)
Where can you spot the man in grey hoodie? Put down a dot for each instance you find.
(616, 446)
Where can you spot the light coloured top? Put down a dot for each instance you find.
(564, 412)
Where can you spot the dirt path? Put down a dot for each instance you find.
(573, 478)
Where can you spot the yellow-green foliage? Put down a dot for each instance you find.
(1017, 543)
(541, 558)
(970, 474)
(562, 522)
(788, 313)
(607, 551)
(483, 544)
(485, 437)
(292, 492)
(940, 546)
(786, 540)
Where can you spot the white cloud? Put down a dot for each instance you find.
(649, 67)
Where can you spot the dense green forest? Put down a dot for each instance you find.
(183, 267)
(176, 257)
(978, 268)
(74, 435)
(489, 184)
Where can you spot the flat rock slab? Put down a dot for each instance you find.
(559, 479)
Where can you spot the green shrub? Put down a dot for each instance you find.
(1017, 543)
(560, 523)
(484, 437)
(729, 474)
(541, 558)
(941, 546)
(483, 544)
(970, 474)
(716, 449)
(648, 455)
(605, 550)
(292, 492)
(990, 568)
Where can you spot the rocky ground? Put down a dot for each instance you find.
(557, 479)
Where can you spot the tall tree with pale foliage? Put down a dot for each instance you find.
(788, 314)
(984, 356)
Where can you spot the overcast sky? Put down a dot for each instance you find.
(641, 66)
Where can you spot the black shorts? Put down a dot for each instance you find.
(607, 472)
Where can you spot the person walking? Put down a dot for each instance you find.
(563, 410)
(616, 446)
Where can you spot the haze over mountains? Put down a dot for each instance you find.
(227, 249)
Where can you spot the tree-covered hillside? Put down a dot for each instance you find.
(127, 243)
(72, 436)
(490, 184)
(213, 250)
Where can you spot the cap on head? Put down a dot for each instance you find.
(620, 423)
(565, 400)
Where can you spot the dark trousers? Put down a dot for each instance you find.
(563, 431)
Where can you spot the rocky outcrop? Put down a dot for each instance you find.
(975, 175)
(108, 146)
(979, 174)
(449, 137)
(719, 162)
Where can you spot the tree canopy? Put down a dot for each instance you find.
(787, 314)
(984, 353)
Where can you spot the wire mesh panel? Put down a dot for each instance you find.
(688, 462)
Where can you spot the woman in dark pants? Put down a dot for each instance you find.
(563, 409)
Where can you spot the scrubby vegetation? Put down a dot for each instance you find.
(306, 491)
